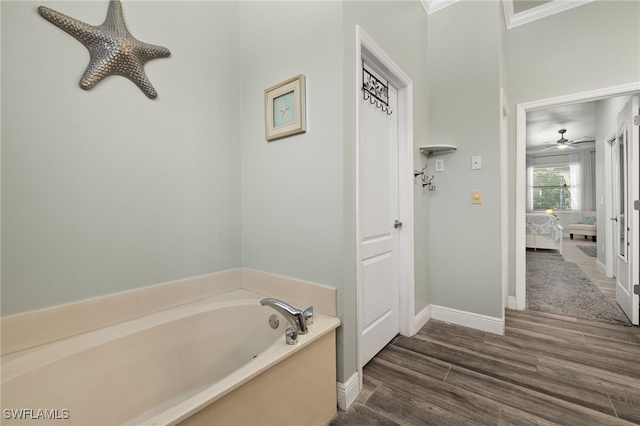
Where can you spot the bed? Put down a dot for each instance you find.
(543, 232)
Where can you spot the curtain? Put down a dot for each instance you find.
(582, 190)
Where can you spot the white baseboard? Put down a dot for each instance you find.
(421, 319)
(348, 392)
(511, 302)
(601, 267)
(468, 319)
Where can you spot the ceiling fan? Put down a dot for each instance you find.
(563, 143)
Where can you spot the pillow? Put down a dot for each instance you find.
(587, 219)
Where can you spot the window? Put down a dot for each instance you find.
(552, 188)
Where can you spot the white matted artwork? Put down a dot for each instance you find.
(285, 108)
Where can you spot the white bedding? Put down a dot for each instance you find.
(543, 231)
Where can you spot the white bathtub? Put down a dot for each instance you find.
(158, 369)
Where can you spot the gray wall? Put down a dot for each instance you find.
(107, 190)
(590, 47)
(292, 188)
(464, 48)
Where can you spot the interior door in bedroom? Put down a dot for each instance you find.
(626, 169)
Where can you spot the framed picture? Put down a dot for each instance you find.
(285, 108)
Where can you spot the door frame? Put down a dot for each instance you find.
(521, 169)
(628, 162)
(367, 48)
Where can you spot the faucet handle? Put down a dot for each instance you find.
(291, 336)
(308, 316)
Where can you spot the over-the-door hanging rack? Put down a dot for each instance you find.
(375, 90)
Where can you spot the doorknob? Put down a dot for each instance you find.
(397, 224)
(615, 219)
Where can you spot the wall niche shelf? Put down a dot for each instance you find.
(430, 150)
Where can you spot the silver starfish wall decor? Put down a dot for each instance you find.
(112, 48)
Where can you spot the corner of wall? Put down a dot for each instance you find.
(348, 391)
(468, 319)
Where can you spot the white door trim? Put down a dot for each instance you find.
(521, 167)
(367, 48)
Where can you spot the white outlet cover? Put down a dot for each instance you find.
(440, 165)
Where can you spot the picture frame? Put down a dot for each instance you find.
(285, 108)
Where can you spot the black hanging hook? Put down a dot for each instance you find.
(375, 90)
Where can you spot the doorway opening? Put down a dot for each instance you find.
(521, 170)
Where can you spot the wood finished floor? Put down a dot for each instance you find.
(545, 370)
(572, 253)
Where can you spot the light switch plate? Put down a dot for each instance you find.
(476, 197)
(476, 162)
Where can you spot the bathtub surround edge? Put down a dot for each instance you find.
(27, 330)
(293, 291)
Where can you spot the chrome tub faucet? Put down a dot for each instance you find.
(299, 320)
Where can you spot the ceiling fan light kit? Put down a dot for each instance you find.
(562, 142)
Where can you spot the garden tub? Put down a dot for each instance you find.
(165, 367)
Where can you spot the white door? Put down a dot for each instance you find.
(379, 297)
(627, 176)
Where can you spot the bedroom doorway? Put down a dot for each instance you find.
(521, 173)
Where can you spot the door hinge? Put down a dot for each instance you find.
(636, 289)
(636, 205)
(636, 120)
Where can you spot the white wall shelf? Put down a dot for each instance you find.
(430, 150)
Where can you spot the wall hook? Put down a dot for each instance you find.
(375, 90)
(426, 181)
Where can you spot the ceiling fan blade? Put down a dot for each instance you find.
(583, 139)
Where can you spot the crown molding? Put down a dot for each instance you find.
(431, 6)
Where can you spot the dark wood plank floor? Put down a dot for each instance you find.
(546, 369)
